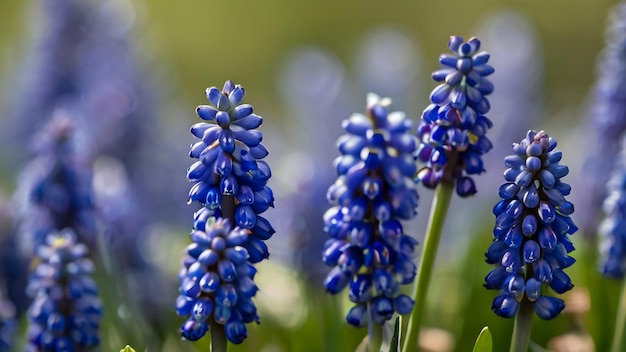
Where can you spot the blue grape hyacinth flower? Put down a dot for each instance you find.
(66, 311)
(217, 283)
(531, 245)
(230, 181)
(453, 128)
(613, 227)
(229, 166)
(368, 249)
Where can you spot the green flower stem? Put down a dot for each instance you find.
(619, 340)
(219, 343)
(521, 328)
(218, 337)
(439, 209)
(374, 331)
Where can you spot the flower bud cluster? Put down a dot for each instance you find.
(375, 189)
(66, 311)
(230, 181)
(531, 245)
(453, 128)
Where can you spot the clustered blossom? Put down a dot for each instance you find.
(370, 253)
(216, 281)
(57, 188)
(452, 130)
(230, 165)
(613, 228)
(57, 223)
(531, 244)
(230, 180)
(66, 312)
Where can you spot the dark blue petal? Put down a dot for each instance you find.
(382, 309)
(533, 289)
(360, 289)
(258, 151)
(532, 251)
(336, 280)
(257, 249)
(543, 271)
(357, 316)
(251, 138)
(245, 217)
(561, 282)
(235, 331)
(495, 278)
(210, 282)
(548, 307)
(262, 229)
(206, 113)
(505, 306)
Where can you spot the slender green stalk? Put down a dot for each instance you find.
(619, 340)
(521, 328)
(374, 331)
(219, 343)
(439, 209)
(218, 337)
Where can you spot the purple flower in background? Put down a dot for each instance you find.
(84, 63)
(368, 249)
(66, 311)
(387, 61)
(453, 127)
(56, 224)
(607, 117)
(613, 228)
(310, 75)
(531, 243)
(54, 190)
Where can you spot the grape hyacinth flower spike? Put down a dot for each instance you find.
(531, 245)
(453, 128)
(613, 242)
(368, 249)
(230, 181)
(613, 228)
(452, 135)
(66, 312)
(230, 176)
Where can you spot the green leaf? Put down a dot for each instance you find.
(484, 342)
(395, 340)
(127, 349)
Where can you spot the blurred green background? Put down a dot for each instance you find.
(201, 43)
(192, 44)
